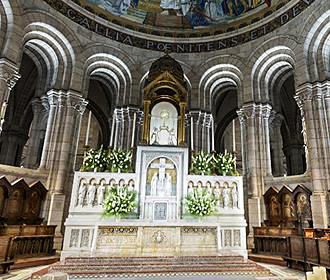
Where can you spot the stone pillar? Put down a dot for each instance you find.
(50, 103)
(313, 101)
(61, 143)
(276, 144)
(202, 130)
(8, 77)
(127, 121)
(254, 121)
(36, 135)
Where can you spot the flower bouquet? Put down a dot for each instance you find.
(119, 201)
(225, 164)
(95, 160)
(201, 164)
(120, 161)
(200, 203)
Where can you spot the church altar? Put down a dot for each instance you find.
(161, 224)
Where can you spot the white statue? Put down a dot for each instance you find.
(154, 183)
(100, 194)
(234, 194)
(225, 194)
(154, 137)
(168, 184)
(91, 194)
(172, 138)
(81, 194)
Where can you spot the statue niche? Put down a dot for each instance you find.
(163, 124)
(165, 99)
(161, 178)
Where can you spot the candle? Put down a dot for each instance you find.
(112, 131)
(133, 132)
(192, 133)
(234, 137)
(88, 127)
(212, 136)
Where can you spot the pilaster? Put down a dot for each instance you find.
(313, 101)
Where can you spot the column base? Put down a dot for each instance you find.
(254, 208)
(55, 217)
(319, 203)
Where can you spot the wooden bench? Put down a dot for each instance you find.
(5, 265)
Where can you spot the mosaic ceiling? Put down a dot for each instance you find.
(195, 24)
(180, 15)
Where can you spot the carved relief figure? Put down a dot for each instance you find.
(288, 207)
(91, 194)
(154, 183)
(226, 198)
(234, 194)
(168, 184)
(303, 207)
(100, 194)
(82, 193)
(274, 207)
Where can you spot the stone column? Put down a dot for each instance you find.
(254, 120)
(8, 78)
(50, 103)
(127, 121)
(313, 101)
(66, 114)
(36, 134)
(276, 120)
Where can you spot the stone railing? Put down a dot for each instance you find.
(89, 189)
(228, 190)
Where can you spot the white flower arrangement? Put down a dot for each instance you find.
(95, 160)
(201, 203)
(120, 160)
(214, 164)
(119, 201)
(102, 160)
(201, 164)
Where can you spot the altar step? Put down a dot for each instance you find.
(130, 266)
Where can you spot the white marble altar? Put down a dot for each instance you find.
(160, 224)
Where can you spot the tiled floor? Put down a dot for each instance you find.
(282, 273)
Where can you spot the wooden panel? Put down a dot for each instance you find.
(297, 248)
(311, 250)
(324, 252)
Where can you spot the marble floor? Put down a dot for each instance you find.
(280, 272)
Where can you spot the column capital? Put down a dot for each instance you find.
(276, 119)
(75, 101)
(9, 73)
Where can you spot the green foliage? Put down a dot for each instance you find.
(214, 164)
(201, 164)
(201, 203)
(107, 160)
(120, 160)
(225, 164)
(119, 201)
(95, 160)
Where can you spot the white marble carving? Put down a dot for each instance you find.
(162, 183)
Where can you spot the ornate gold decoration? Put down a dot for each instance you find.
(165, 82)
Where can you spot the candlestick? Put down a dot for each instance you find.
(234, 137)
(192, 133)
(133, 132)
(88, 127)
(112, 131)
(212, 136)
